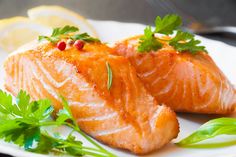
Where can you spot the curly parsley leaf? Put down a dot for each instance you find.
(184, 41)
(19, 122)
(182, 36)
(61, 32)
(31, 135)
(44, 146)
(148, 42)
(167, 24)
(57, 32)
(23, 123)
(211, 129)
(19, 132)
(49, 143)
(51, 39)
(84, 37)
(5, 103)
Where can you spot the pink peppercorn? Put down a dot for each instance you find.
(79, 44)
(61, 45)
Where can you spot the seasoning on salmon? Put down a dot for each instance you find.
(184, 81)
(124, 116)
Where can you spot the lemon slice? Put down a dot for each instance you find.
(56, 16)
(17, 31)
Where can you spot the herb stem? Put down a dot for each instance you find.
(48, 123)
(90, 140)
(26, 118)
(51, 123)
(99, 153)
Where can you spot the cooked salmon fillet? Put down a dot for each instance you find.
(183, 81)
(126, 116)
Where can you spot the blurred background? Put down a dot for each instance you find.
(203, 12)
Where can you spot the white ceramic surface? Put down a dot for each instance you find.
(224, 56)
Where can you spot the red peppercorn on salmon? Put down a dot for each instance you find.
(186, 82)
(123, 116)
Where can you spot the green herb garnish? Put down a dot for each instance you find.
(168, 24)
(57, 32)
(109, 76)
(23, 123)
(148, 42)
(84, 37)
(211, 129)
(182, 41)
(63, 32)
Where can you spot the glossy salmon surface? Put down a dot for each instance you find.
(186, 82)
(125, 116)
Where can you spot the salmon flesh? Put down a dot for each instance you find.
(125, 116)
(183, 81)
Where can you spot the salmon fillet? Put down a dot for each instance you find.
(183, 81)
(126, 116)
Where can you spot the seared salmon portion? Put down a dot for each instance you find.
(183, 81)
(125, 116)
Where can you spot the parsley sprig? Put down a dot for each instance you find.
(148, 42)
(84, 37)
(64, 32)
(170, 24)
(23, 123)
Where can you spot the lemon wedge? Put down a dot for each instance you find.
(56, 16)
(17, 31)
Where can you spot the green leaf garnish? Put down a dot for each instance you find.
(148, 42)
(62, 32)
(84, 37)
(57, 32)
(109, 76)
(182, 41)
(211, 129)
(168, 24)
(23, 123)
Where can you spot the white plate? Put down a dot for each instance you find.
(224, 56)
